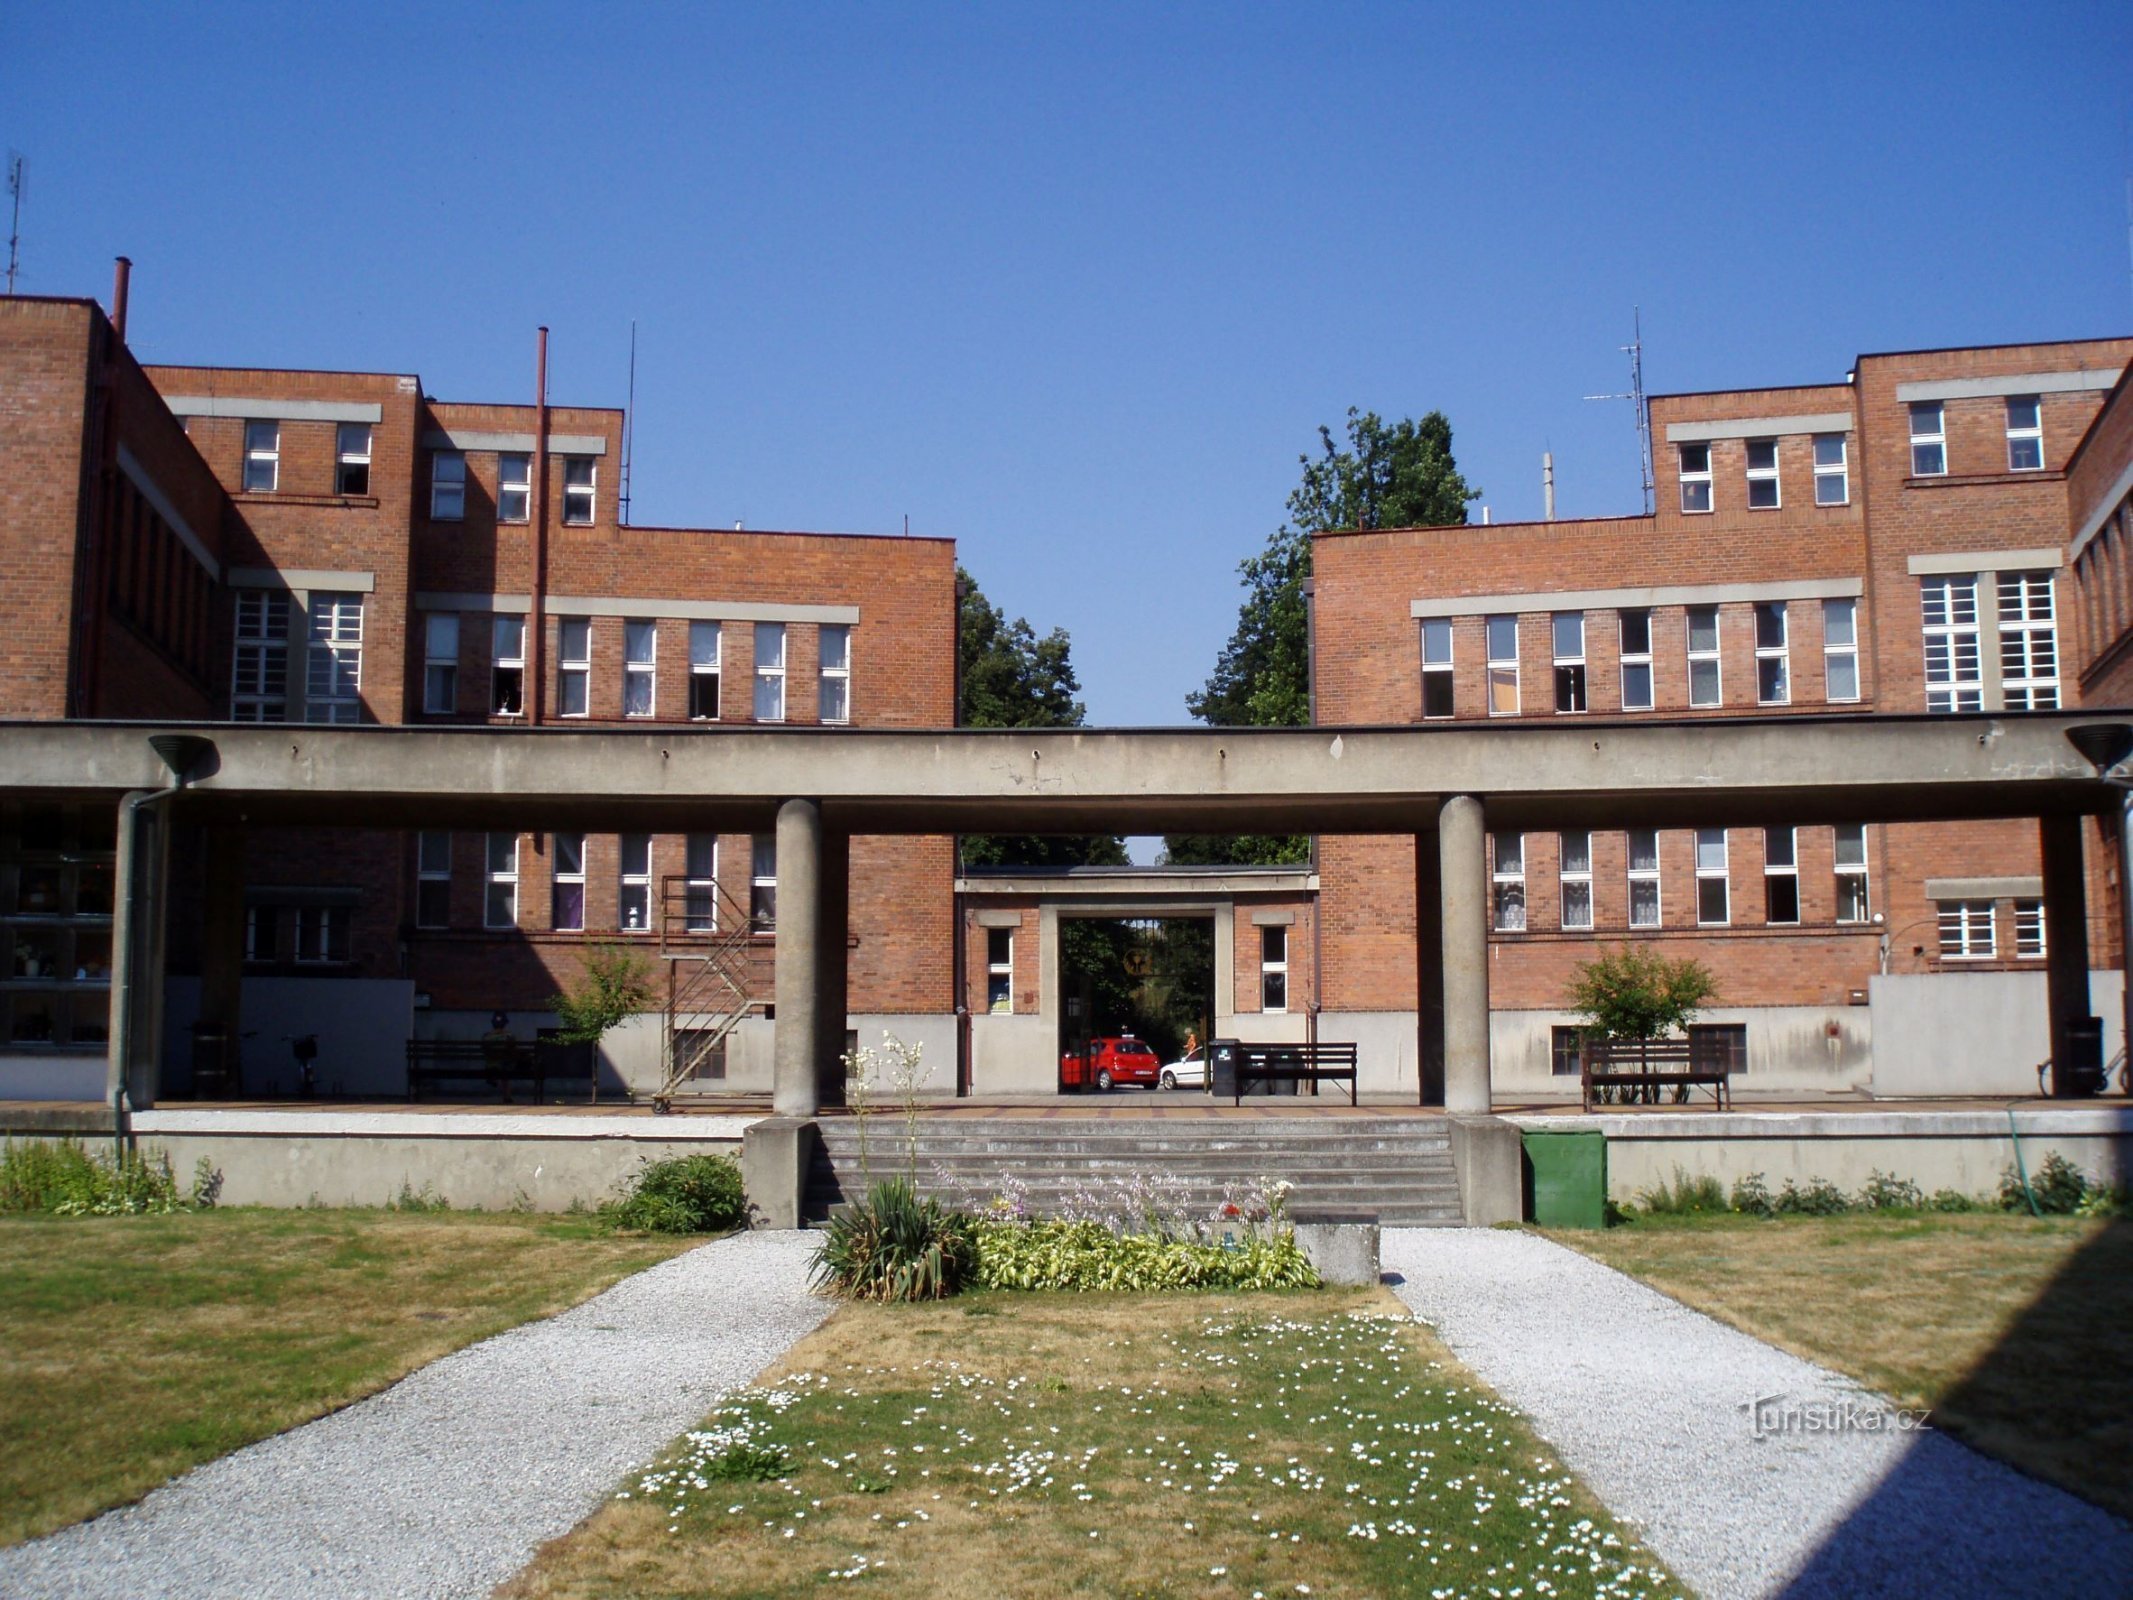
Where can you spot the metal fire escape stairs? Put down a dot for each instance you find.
(713, 962)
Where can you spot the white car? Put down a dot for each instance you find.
(1189, 1073)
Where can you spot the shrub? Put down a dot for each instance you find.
(1633, 992)
(2103, 1201)
(1751, 1196)
(895, 1246)
(1685, 1197)
(1820, 1198)
(1085, 1256)
(1886, 1192)
(65, 1179)
(2058, 1186)
(685, 1194)
(1950, 1200)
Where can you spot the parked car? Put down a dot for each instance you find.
(1110, 1062)
(1189, 1071)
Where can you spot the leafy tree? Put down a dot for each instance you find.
(1633, 992)
(614, 985)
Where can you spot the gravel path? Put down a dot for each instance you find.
(443, 1485)
(1649, 1402)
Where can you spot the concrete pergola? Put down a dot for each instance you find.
(817, 787)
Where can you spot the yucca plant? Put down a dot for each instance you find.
(895, 1246)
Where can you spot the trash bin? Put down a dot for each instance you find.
(2084, 1058)
(1222, 1055)
(1567, 1178)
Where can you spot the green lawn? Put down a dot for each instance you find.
(133, 1348)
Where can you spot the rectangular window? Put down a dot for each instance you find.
(1636, 661)
(763, 883)
(640, 657)
(836, 657)
(433, 880)
(704, 647)
(1719, 1045)
(448, 486)
(333, 672)
(1781, 876)
(770, 672)
(1929, 441)
(322, 935)
(700, 889)
(1713, 909)
(1508, 883)
(581, 477)
(1953, 681)
(1503, 666)
(1854, 900)
(2029, 929)
(514, 488)
(1773, 655)
(262, 933)
(566, 912)
(259, 680)
(573, 666)
(1569, 660)
(1833, 481)
(1966, 930)
(1695, 477)
(440, 663)
(1763, 475)
(507, 667)
(1705, 688)
(1576, 876)
(1840, 649)
(1436, 666)
(351, 453)
(500, 903)
(1563, 1051)
(1274, 969)
(1644, 877)
(1000, 969)
(2029, 642)
(262, 457)
(2025, 433)
(634, 903)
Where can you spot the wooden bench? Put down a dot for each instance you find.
(1297, 1063)
(1640, 1070)
(497, 1062)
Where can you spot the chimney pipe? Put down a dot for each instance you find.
(1548, 485)
(121, 276)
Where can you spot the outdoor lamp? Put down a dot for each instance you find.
(182, 752)
(2104, 745)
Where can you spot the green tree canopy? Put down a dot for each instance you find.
(1633, 992)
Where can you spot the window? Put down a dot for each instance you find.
(514, 488)
(1503, 666)
(1696, 477)
(704, 644)
(1636, 661)
(1952, 668)
(1576, 876)
(1720, 1045)
(770, 672)
(322, 935)
(2025, 435)
(1840, 649)
(566, 895)
(634, 904)
(448, 486)
(1508, 897)
(1966, 930)
(333, 673)
(1644, 877)
(262, 933)
(1436, 666)
(581, 476)
(507, 669)
(1274, 969)
(1712, 908)
(1000, 969)
(640, 655)
(1762, 475)
(1833, 483)
(500, 904)
(1570, 661)
(1563, 1060)
(2029, 929)
(700, 883)
(1773, 656)
(259, 682)
(2029, 642)
(440, 663)
(1854, 903)
(763, 884)
(433, 880)
(1929, 441)
(573, 666)
(836, 696)
(262, 457)
(1704, 685)
(1781, 875)
(351, 452)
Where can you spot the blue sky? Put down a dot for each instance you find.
(1075, 285)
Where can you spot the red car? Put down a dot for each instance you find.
(1109, 1062)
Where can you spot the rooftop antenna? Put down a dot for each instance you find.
(14, 227)
(629, 427)
(1635, 351)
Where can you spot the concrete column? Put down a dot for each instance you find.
(1462, 845)
(222, 934)
(2066, 934)
(797, 1034)
(832, 1004)
(134, 1060)
(1429, 968)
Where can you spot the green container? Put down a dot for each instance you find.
(1567, 1173)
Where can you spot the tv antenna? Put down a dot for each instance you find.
(629, 428)
(14, 226)
(1635, 351)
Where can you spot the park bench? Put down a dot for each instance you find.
(1638, 1071)
(1296, 1063)
(499, 1063)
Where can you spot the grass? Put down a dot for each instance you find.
(2010, 1328)
(1106, 1445)
(134, 1348)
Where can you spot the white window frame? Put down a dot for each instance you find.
(1833, 476)
(1855, 887)
(2027, 438)
(315, 930)
(769, 701)
(1575, 877)
(1643, 875)
(700, 887)
(1570, 676)
(834, 693)
(1696, 497)
(1954, 654)
(1502, 669)
(440, 663)
(507, 653)
(705, 664)
(573, 671)
(514, 487)
(581, 490)
(1840, 647)
(351, 452)
(763, 883)
(2029, 640)
(499, 879)
(1711, 656)
(640, 668)
(1437, 668)
(1507, 882)
(262, 934)
(259, 662)
(633, 879)
(1274, 969)
(1781, 861)
(448, 486)
(1762, 475)
(1967, 931)
(1721, 875)
(1929, 439)
(566, 848)
(1638, 660)
(333, 658)
(1773, 662)
(433, 865)
(262, 456)
(999, 971)
(2029, 932)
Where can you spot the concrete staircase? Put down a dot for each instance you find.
(1398, 1167)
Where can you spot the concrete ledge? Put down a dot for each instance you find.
(1341, 1245)
(1489, 1155)
(775, 1155)
(439, 1125)
(2095, 1118)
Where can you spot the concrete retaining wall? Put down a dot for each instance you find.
(1973, 1032)
(1385, 1045)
